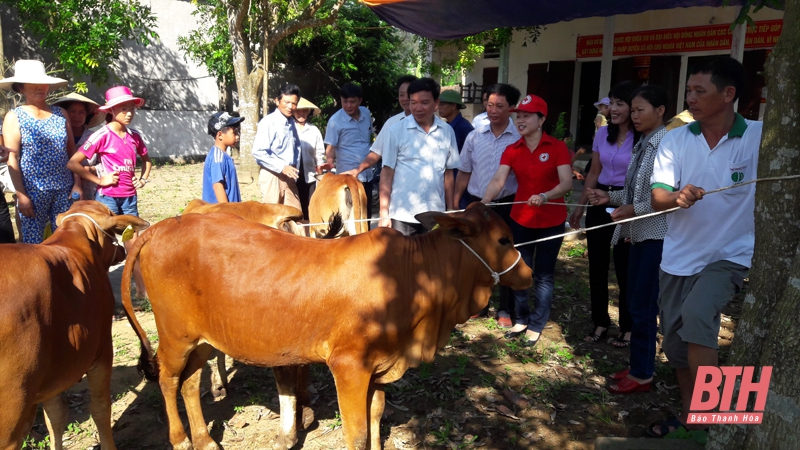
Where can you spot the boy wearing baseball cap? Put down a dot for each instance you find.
(220, 183)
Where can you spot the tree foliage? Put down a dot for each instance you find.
(86, 36)
(209, 44)
(253, 28)
(358, 47)
(456, 56)
(264, 24)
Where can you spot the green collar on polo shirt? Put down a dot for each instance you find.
(737, 130)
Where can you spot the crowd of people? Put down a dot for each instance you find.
(684, 266)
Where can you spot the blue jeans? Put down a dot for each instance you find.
(544, 268)
(120, 205)
(644, 261)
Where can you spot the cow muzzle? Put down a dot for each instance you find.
(495, 275)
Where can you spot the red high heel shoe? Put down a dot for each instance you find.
(628, 386)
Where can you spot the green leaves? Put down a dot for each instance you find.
(357, 47)
(86, 36)
(459, 55)
(744, 13)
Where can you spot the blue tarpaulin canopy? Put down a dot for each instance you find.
(452, 19)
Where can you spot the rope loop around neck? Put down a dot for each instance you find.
(495, 275)
(113, 238)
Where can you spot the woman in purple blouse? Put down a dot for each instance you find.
(610, 158)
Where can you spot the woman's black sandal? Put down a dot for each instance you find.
(594, 337)
(621, 343)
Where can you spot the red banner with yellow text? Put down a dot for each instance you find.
(680, 40)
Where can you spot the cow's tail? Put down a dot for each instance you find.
(148, 363)
(335, 226)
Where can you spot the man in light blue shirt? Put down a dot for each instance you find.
(377, 147)
(418, 162)
(348, 136)
(276, 149)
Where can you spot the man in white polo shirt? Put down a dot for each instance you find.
(418, 159)
(708, 246)
(377, 147)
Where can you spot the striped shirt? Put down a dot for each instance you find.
(482, 120)
(481, 156)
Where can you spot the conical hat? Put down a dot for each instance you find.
(97, 117)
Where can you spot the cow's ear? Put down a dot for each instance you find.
(456, 227)
(119, 223)
(428, 219)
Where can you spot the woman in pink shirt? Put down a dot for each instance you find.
(117, 146)
(610, 158)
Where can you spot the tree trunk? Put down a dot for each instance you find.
(247, 84)
(265, 88)
(768, 333)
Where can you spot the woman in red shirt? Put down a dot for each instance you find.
(541, 164)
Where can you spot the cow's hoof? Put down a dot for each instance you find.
(185, 445)
(284, 443)
(219, 393)
(308, 417)
(210, 445)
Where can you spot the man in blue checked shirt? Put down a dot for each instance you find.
(276, 149)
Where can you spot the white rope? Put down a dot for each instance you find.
(543, 203)
(113, 238)
(451, 211)
(657, 213)
(495, 275)
(788, 177)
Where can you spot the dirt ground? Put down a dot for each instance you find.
(481, 391)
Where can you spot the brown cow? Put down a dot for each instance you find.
(56, 305)
(282, 217)
(343, 194)
(369, 306)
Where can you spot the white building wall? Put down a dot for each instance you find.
(178, 136)
(558, 41)
(180, 95)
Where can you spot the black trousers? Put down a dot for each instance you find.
(6, 228)
(506, 300)
(370, 188)
(304, 192)
(599, 243)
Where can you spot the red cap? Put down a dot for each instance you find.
(531, 104)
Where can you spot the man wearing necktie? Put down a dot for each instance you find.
(276, 149)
